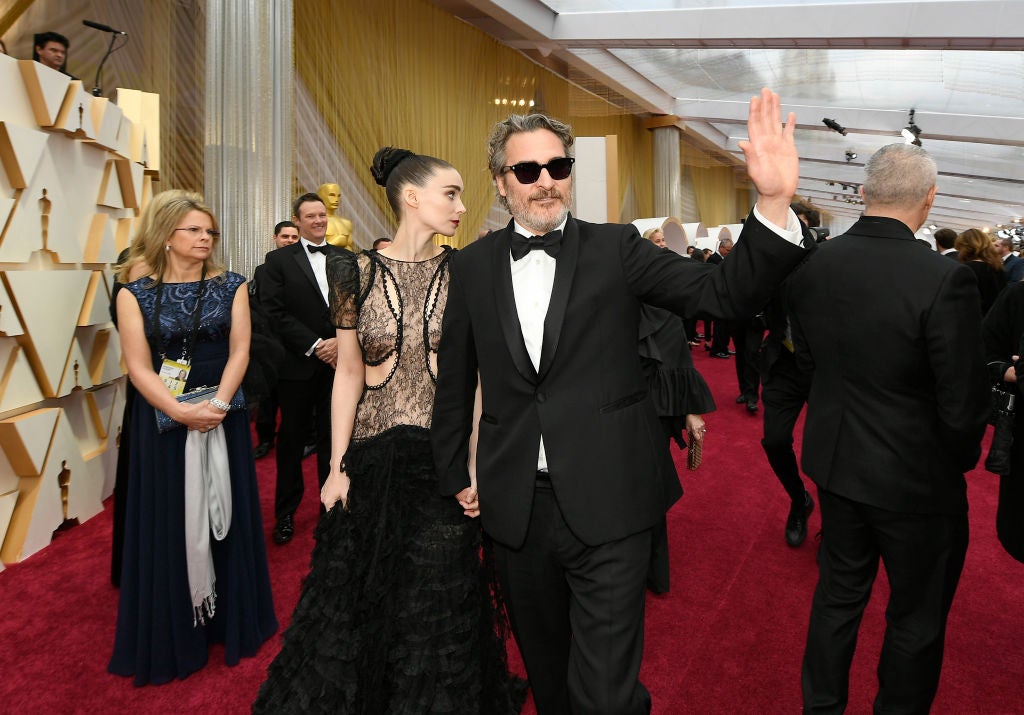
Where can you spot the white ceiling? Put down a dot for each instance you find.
(958, 63)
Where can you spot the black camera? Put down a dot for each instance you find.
(820, 233)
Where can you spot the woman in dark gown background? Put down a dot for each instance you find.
(397, 614)
(974, 247)
(158, 637)
(681, 398)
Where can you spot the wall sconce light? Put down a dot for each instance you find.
(850, 156)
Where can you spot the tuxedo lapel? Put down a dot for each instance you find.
(302, 261)
(508, 315)
(565, 270)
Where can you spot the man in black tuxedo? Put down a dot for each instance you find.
(895, 416)
(784, 393)
(570, 456)
(293, 291)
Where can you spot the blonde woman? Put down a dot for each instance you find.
(183, 587)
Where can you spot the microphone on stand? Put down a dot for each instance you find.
(114, 34)
(102, 28)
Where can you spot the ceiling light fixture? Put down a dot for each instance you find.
(834, 125)
(911, 133)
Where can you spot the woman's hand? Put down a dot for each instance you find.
(469, 500)
(696, 426)
(335, 490)
(202, 417)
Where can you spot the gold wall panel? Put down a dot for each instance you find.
(75, 116)
(70, 191)
(46, 90)
(7, 502)
(20, 151)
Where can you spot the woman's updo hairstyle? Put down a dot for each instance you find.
(394, 168)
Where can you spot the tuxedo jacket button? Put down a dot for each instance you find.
(541, 396)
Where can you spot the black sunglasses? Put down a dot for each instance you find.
(527, 172)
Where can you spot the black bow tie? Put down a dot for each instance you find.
(550, 243)
(322, 248)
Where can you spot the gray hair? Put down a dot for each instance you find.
(899, 175)
(726, 241)
(515, 124)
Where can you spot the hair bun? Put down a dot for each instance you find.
(385, 161)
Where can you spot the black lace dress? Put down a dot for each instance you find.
(156, 640)
(397, 614)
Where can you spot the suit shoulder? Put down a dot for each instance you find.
(278, 254)
(477, 248)
(621, 230)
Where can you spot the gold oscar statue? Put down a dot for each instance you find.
(339, 230)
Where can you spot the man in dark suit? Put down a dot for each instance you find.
(784, 393)
(293, 291)
(1013, 265)
(944, 240)
(571, 459)
(285, 234)
(721, 330)
(895, 416)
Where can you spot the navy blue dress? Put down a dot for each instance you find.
(156, 640)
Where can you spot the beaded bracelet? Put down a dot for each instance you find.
(220, 404)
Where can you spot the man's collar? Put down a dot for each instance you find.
(306, 242)
(523, 231)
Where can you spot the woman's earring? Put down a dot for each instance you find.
(168, 248)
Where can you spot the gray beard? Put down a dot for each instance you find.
(544, 226)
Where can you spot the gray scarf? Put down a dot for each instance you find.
(207, 509)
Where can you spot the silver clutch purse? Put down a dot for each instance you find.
(166, 424)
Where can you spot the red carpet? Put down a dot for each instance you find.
(727, 639)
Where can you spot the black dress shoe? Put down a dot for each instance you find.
(752, 406)
(262, 450)
(285, 530)
(308, 449)
(720, 354)
(796, 524)
(740, 399)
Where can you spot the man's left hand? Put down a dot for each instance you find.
(772, 160)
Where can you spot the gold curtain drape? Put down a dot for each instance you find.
(716, 194)
(405, 73)
(721, 190)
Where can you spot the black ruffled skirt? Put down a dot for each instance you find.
(399, 612)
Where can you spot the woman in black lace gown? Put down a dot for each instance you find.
(397, 614)
(178, 303)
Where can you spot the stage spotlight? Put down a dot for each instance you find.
(834, 125)
(850, 156)
(911, 133)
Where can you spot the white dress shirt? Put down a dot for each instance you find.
(533, 277)
(318, 262)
